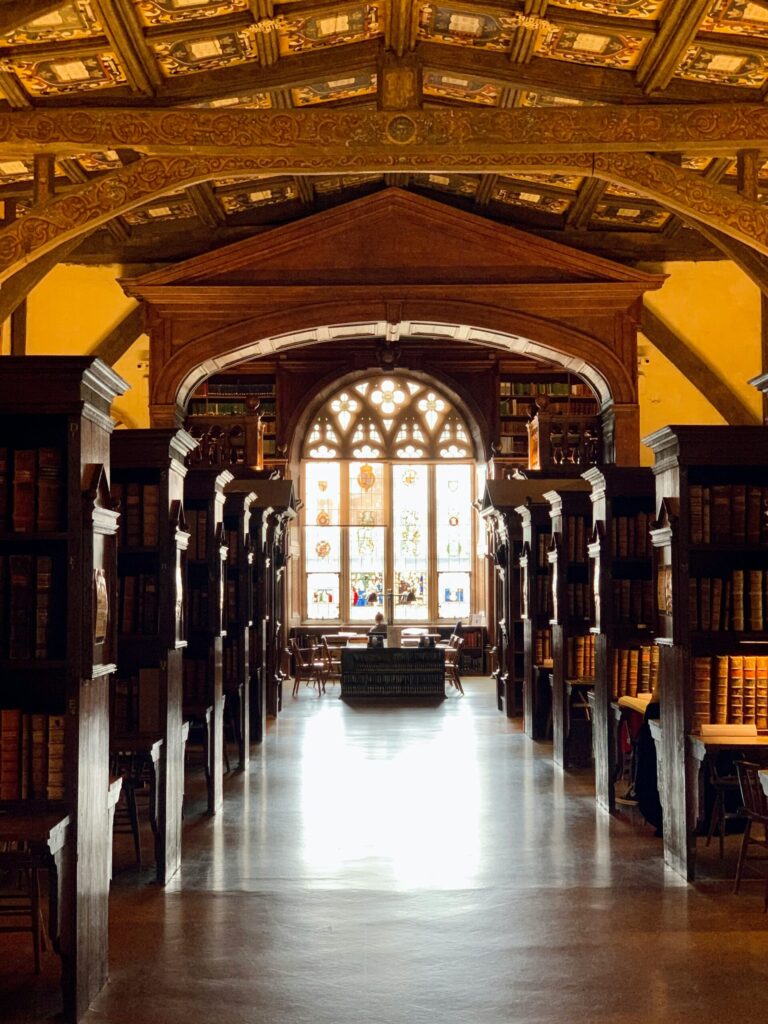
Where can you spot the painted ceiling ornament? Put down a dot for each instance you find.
(366, 478)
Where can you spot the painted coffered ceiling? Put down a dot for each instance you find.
(130, 56)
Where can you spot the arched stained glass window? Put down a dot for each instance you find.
(387, 489)
(387, 417)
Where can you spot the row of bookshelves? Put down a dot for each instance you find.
(737, 602)
(633, 602)
(31, 756)
(30, 585)
(580, 657)
(136, 705)
(206, 407)
(634, 670)
(219, 388)
(542, 646)
(554, 388)
(630, 536)
(197, 528)
(577, 599)
(730, 690)
(139, 604)
(32, 492)
(728, 513)
(139, 506)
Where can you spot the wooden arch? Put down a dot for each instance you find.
(397, 266)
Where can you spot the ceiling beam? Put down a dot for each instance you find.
(116, 342)
(679, 24)
(361, 138)
(206, 204)
(122, 29)
(400, 27)
(590, 194)
(118, 227)
(698, 372)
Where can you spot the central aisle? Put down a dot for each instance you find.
(409, 865)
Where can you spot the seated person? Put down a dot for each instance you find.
(379, 627)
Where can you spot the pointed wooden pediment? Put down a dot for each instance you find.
(393, 237)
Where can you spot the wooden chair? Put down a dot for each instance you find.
(452, 654)
(755, 810)
(331, 653)
(21, 903)
(308, 668)
(723, 786)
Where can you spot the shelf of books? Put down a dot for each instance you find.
(711, 566)
(238, 617)
(234, 419)
(271, 515)
(203, 657)
(148, 470)
(565, 397)
(57, 637)
(622, 604)
(573, 649)
(536, 611)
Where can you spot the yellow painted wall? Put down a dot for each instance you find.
(71, 311)
(715, 309)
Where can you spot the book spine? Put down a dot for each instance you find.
(50, 489)
(10, 754)
(43, 574)
(55, 780)
(24, 474)
(701, 692)
(21, 607)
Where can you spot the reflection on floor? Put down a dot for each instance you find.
(408, 865)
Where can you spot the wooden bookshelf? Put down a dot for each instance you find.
(555, 411)
(710, 497)
(148, 471)
(203, 657)
(57, 635)
(536, 611)
(572, 643)
(238, 618)
(622, 607)
(234, 418)
(272, 513)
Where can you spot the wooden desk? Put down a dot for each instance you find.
(393, 673)
(47, 834)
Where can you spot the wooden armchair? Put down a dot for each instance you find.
(331, 654)
(452, 653)
(308, 668)
(755, 810)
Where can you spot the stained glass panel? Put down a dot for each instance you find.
(322, 548)
(366, 495)
(453, 492)
(453, 595)
(322, 595)
(410, 512)
(322, 494)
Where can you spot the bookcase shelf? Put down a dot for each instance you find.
(234, 417)
(57, 632)
(238, 607)
(204, 511)
(572, 643)
(148, 471)
(622, 603)
(709, 486)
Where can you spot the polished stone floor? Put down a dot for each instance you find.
(409, 865)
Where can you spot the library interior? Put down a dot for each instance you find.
(383, 511)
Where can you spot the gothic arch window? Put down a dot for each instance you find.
(388, 480)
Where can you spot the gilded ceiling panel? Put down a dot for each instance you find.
(205, 53)
(706, 63)
(529, 98)
(257, 195)
(251, 101)
(351, 23)
(737, 17)
(623, 215)
(67, 73)
(570, 182)
(94, 163)
(456, 87)
(590, 46)
(163, 211)
(516, 195)
(168, 12)
(616, 9)
(336, 89)
(14, 170)
(456, 184)
(613, 189)
(337, 183)
(73, 20)
(462, 26)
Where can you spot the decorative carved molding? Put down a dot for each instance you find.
(370, 139)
